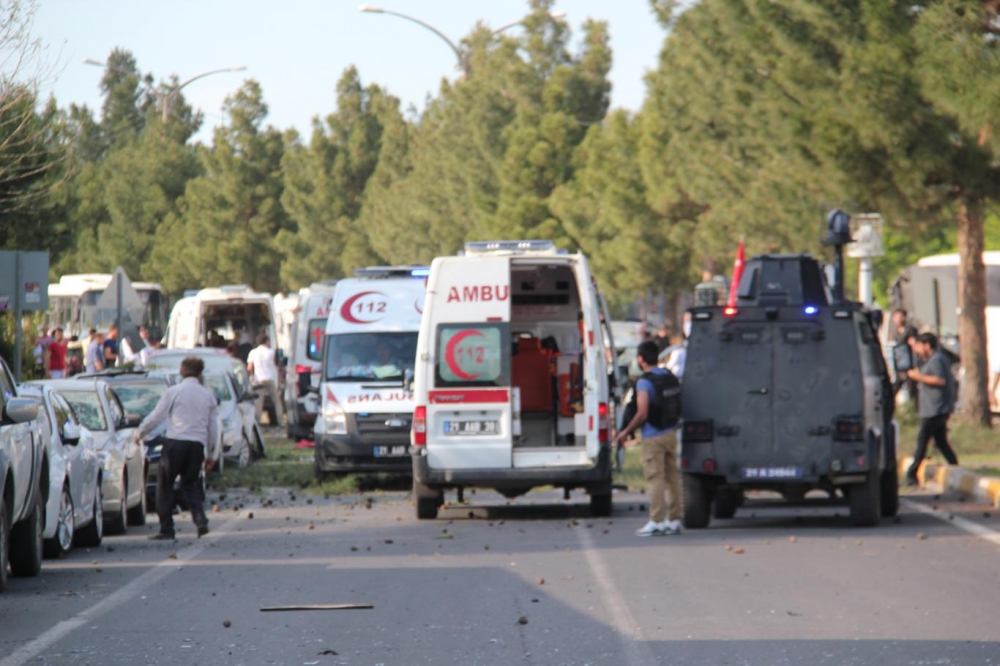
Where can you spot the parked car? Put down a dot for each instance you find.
(24, 473)
(73, 513)
(217, 362)
(237, 422)
(123, 460)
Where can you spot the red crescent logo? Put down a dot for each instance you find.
(345, 309)
(449, 353)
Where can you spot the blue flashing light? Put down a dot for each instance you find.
(811, 310)
(420, 272)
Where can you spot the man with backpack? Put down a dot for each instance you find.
(657, 413)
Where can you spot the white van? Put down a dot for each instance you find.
(368, 359)
(306, 324)
(511, 383)
(234, 312)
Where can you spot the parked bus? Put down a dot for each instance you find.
(73, 305)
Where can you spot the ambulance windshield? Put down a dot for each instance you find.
(369, 356)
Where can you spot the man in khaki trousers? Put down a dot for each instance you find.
(659, 451)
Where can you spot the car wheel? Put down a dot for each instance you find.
(93, 532)
(246, 454)
(26, 543)
(725, 504)
(4, 544)
(428, 501)
(136, 516)
(62, 540)
(864, 499)
(118, 524)
(697, 502)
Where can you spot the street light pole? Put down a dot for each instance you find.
(164, 98)
(463, 57)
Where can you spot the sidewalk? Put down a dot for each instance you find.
(967, 484)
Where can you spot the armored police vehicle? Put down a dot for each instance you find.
(787, 390)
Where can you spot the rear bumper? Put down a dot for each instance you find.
(348, 453)
(593, 477)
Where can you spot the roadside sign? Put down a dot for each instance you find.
(24, 285)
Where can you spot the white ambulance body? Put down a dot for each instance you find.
(306, 324)
(511, 384)
(368, 362)
(236, 312)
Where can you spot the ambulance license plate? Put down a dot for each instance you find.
(777, 473)
(390, 451)
(471, 427)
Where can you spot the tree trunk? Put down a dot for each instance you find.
(972, 312)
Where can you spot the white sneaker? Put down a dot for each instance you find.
(670, 527)
(651, 529)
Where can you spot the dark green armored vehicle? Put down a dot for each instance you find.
(788, 391)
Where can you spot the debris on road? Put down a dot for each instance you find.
(522, 620)
(227, 624)
(313, 607)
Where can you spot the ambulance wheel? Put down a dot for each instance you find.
(697, 502)
(600, 505)
(889, 489)
(864, 499)
(427, 501)
(725, 504)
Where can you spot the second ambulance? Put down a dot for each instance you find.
(512, 389)
(368, 364)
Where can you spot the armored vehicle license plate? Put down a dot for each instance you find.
(772, 473)
(470, 427)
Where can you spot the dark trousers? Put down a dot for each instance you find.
(180, 458)
(935, 427)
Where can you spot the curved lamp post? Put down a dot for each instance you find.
(165, 98)
(462, 56)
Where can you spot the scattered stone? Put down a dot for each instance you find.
(522, 620)
(738, 551)
(540, 581)
(216, 508)
(309, 501)
(354, 549)
(311, 526)
(172, 556)
(111, 549)
(921, 536)
(728, 547)
(486, 547)
(98, 570)
(604, 531)
(388, 541)
(858, 542)
(793, 539)
(227, 624)
(250, 516)
(534, 601)
(986, 514)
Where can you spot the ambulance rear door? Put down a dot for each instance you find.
(468, 383)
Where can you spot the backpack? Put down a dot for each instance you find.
(665, 408)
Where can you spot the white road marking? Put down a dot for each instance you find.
(637, 652)
(963, 524)
(160, 570)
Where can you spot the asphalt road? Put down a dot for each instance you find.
(533, 582)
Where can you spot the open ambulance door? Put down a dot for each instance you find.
(469, 401)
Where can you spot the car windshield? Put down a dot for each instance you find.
(87, 407)
(366, 356)
(214, 362)
(139, 398)
(218, 385)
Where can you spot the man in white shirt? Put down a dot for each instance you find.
(192, 434)
(263, 367)
(93, 360)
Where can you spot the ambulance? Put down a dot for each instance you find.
(305, 317)
(369, 352)
(232, 312)
(511, 385)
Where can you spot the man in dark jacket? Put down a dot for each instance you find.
(935, 403)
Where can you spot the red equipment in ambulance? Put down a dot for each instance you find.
(511, 382)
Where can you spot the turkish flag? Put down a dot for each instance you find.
(737, 274)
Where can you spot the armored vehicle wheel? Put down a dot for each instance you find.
(427, 500)
(864, 499)
(600, 505)
(889, 489)
(697, 502)
(725, 504)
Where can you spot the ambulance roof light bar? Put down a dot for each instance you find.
(377, 272)
(511, 246)
(234, 289)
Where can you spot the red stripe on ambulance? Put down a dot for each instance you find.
(461, 396)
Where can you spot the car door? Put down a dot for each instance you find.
(76, 468)
(240, 379)
(20, 447)
(124, 442)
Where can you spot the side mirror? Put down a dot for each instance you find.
(71, 434)
(20, 410)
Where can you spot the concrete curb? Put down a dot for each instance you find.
(967, 484)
